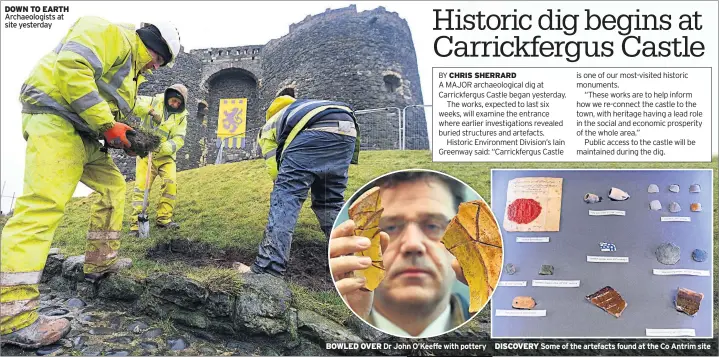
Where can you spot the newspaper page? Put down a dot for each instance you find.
(444, 178)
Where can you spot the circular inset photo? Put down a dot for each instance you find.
(416, 253)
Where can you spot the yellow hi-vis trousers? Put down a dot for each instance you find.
(55, 160)
(166, 168)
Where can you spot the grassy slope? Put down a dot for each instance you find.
(227, 206)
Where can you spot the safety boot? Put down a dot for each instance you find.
(254, 269)
(171, 225)
(44, 331)
(120, 264)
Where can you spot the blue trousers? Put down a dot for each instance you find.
(316, 161)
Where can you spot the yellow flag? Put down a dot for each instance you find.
(231, 120)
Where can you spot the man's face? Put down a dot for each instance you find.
(417, 265)
(174, 102)
(156, 62)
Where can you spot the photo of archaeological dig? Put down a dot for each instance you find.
(416, 253)
(604, 254)
(178, 198)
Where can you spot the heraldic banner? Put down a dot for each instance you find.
(231, 122)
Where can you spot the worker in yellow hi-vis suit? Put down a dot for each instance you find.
(167, 118)
(78, 93)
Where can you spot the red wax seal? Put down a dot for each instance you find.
(524, 210)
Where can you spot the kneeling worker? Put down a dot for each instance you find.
(166, 118)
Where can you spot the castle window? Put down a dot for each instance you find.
(202, 108)
(238, 52)
(391, 82)
(288, 91)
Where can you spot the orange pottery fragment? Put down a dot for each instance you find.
(366, 212)
(523, 303)
(473, 237)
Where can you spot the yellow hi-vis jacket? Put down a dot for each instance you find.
(283, 126)
(91, 78)
(173, 128)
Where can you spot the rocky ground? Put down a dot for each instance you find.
(108, 329)
(166, 314)
(102, 329)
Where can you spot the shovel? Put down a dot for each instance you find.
(143, 220)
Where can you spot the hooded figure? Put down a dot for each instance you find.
(167, 118)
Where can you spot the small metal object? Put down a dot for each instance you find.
(546, 270)
(695, 188)
(607, 247)
(696, 207)
(674, 188)
(510, 269)
(653, 188)
(668, 253)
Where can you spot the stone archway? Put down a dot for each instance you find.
(210, 72)
(232, 83)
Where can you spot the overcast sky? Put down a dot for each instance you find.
(223, 24)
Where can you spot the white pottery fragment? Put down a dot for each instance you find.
(616, 194)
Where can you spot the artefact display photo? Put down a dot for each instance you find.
(621, 257)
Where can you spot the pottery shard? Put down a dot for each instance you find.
(608, 300)
(366, 212)
(674, 207)
(473, 237)
(696, 207)
(616, 194)
(592, 198)
(523, 303)
(688, 301)
(655, 205)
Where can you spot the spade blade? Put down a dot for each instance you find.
(144, 229)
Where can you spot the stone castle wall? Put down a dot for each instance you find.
(366, 59)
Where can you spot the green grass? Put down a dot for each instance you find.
(226, 206)
(327, 303)
(216, 279)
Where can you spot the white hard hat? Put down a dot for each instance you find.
(170, 35)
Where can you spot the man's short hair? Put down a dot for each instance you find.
(456, 187)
